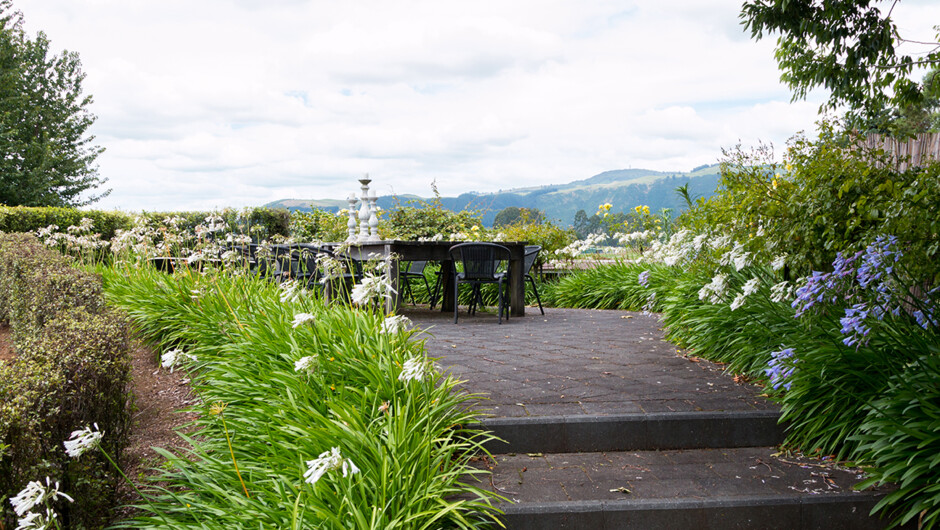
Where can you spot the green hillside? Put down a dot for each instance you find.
(623, 188)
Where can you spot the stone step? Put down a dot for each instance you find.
(627, 432)
(753, 487)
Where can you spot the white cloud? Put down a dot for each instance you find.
(232, 103)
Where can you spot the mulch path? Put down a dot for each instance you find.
(6, 344)
(158, 398)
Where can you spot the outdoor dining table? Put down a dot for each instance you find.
(439, 251)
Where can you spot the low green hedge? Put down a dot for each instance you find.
(71, 371)
(265, 222)
(28, 219)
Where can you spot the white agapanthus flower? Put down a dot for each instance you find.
(720, 242)
(779, 262)
(742, 260)
(715, 291)
(328, 461)
(781, 292)
(738, 301)
(302, 318)
(306, 364)
(173, 357)
(291, 291)
(371, 288)
(34, 494)
(82, 440)
(726, 258)
(395, 324)
(414, 369)
(751, 286)
(33, 521)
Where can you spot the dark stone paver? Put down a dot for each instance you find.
(575, 361)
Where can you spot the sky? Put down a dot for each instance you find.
(231, 103)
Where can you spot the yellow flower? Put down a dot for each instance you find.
(774, 183)
(475, 228)
(646, 209)
(217, 408)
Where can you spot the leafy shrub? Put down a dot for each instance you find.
(318, 225)
(71, 371)
(46, 291)
(544, 233)
(426, 220)
(829, 196)
(260, 223)
(29, 219)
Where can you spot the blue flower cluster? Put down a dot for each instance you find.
(867, 273)
(781, 368)
(853, 323)
(644, 278)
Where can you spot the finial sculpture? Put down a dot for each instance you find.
(364, 212)
(353, 222)
(373, 218)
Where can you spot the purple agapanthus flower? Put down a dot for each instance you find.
(925, 320)
(879, 259)
(811, 293)
(854, 326)
(780, 368)
(644, 278)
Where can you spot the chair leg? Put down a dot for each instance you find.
(437, 288)
(408, 289)
(499, 302)
(456, 299)
(536, 291)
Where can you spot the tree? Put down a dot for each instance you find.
(513, 214)
(906, 121)
(46, 157)
(846, 46)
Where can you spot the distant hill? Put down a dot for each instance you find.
(623, 188)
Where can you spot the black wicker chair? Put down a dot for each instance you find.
(528, 260)
(480, 265)
(415, 271)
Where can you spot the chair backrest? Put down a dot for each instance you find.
(480, 260)
(308, 255)
(417, 267)
(528, 259)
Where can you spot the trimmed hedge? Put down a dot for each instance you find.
(261, 223)
(29, 219)
(72, 369)
(265, 222)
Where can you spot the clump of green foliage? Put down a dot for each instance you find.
(318, 225)
(829, 195)
(71, 370)
(30, 219)
(339, 382)
(420, 219)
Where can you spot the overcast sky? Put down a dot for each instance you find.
(214, 103)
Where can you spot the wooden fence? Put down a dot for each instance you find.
(907, 153)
